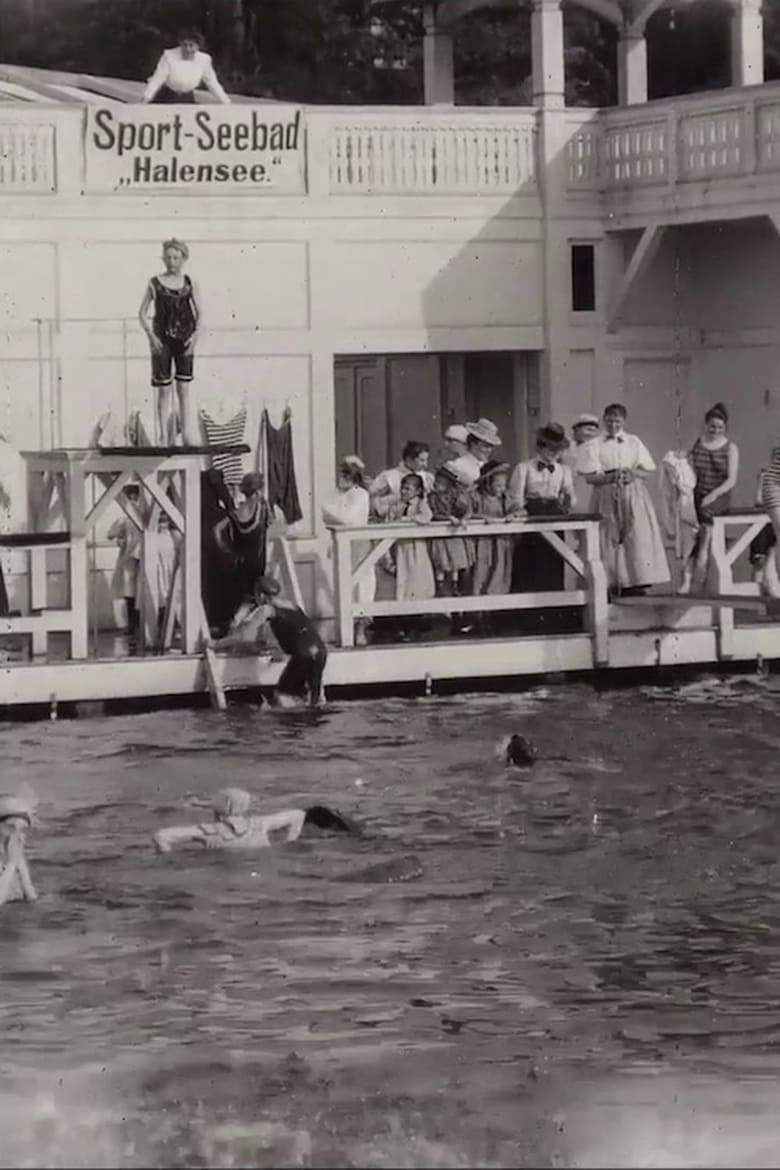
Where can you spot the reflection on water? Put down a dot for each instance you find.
(576, 966)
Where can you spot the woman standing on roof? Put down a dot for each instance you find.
(181, 71)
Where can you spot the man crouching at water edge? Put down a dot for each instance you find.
(233, 828)
(296, 635)
(16, 816)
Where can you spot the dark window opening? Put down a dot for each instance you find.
(583, 278)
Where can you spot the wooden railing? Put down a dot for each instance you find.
(722, 134)
(725, 557)
(585, 561)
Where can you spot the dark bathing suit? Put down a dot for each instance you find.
(175, 321)
(298, 637)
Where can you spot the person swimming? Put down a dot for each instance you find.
(519, 752)
(16, 817)
(234, 828)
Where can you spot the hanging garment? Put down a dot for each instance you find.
(230, 433)
(281, 486)
(13, 497)
(678, 505)
(217, 579)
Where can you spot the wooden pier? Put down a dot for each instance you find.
(660, 631)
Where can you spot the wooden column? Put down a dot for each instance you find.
(438, 63)
(547, 53)
(632, 68)
(747, 43)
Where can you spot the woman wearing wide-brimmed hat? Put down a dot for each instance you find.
(482, 439)
(544, 486)
(631, 540)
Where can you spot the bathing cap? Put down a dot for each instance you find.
(267, 585)
(15, 806)
(232, 802)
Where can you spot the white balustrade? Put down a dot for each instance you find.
(583, 556)
(27, 163)
(419, 154)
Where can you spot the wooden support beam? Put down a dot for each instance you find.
(643, 254)
(216, 690)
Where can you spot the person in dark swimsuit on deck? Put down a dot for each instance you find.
(172, 334)
(296, 635)
(243, 532)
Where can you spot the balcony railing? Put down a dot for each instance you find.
(390, 151)
(582, 556)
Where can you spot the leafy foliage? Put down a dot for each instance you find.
(344, 51)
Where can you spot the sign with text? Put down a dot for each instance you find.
(207, 149)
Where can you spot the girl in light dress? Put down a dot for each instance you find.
(351, 506)
(451, 556)
(405, 573)
(492, 502)
(617, 466)
(493, 554)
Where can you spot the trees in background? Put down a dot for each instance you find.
(337, 51)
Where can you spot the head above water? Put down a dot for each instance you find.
(231, 802)
(16, 809)
(520, 752)
(324, 818)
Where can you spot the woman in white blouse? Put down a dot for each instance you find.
(542, 486)
(632, 546)
(351, 506)
(181, 71)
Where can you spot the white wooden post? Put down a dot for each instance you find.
(438, 63)
(37, 579)
(632, 68)
(724, 616)
(547, 53)
(342, 559)
(747, 43)
(597, 608)
(77, 504)
(190, 559)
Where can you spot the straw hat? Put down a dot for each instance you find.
(448, 473)
(484, 430)
(457, 432)
(491, 468)
(586, 420)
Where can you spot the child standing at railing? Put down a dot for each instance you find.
(493, 563)
(452, 557)
(406, 572)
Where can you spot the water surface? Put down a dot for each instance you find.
(576, 966)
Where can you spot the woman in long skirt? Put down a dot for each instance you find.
(631, 541)
(350, 506)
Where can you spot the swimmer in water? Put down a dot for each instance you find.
(16, 817)
(234, 828)
(519, 752)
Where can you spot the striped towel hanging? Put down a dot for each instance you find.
(226, 434)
